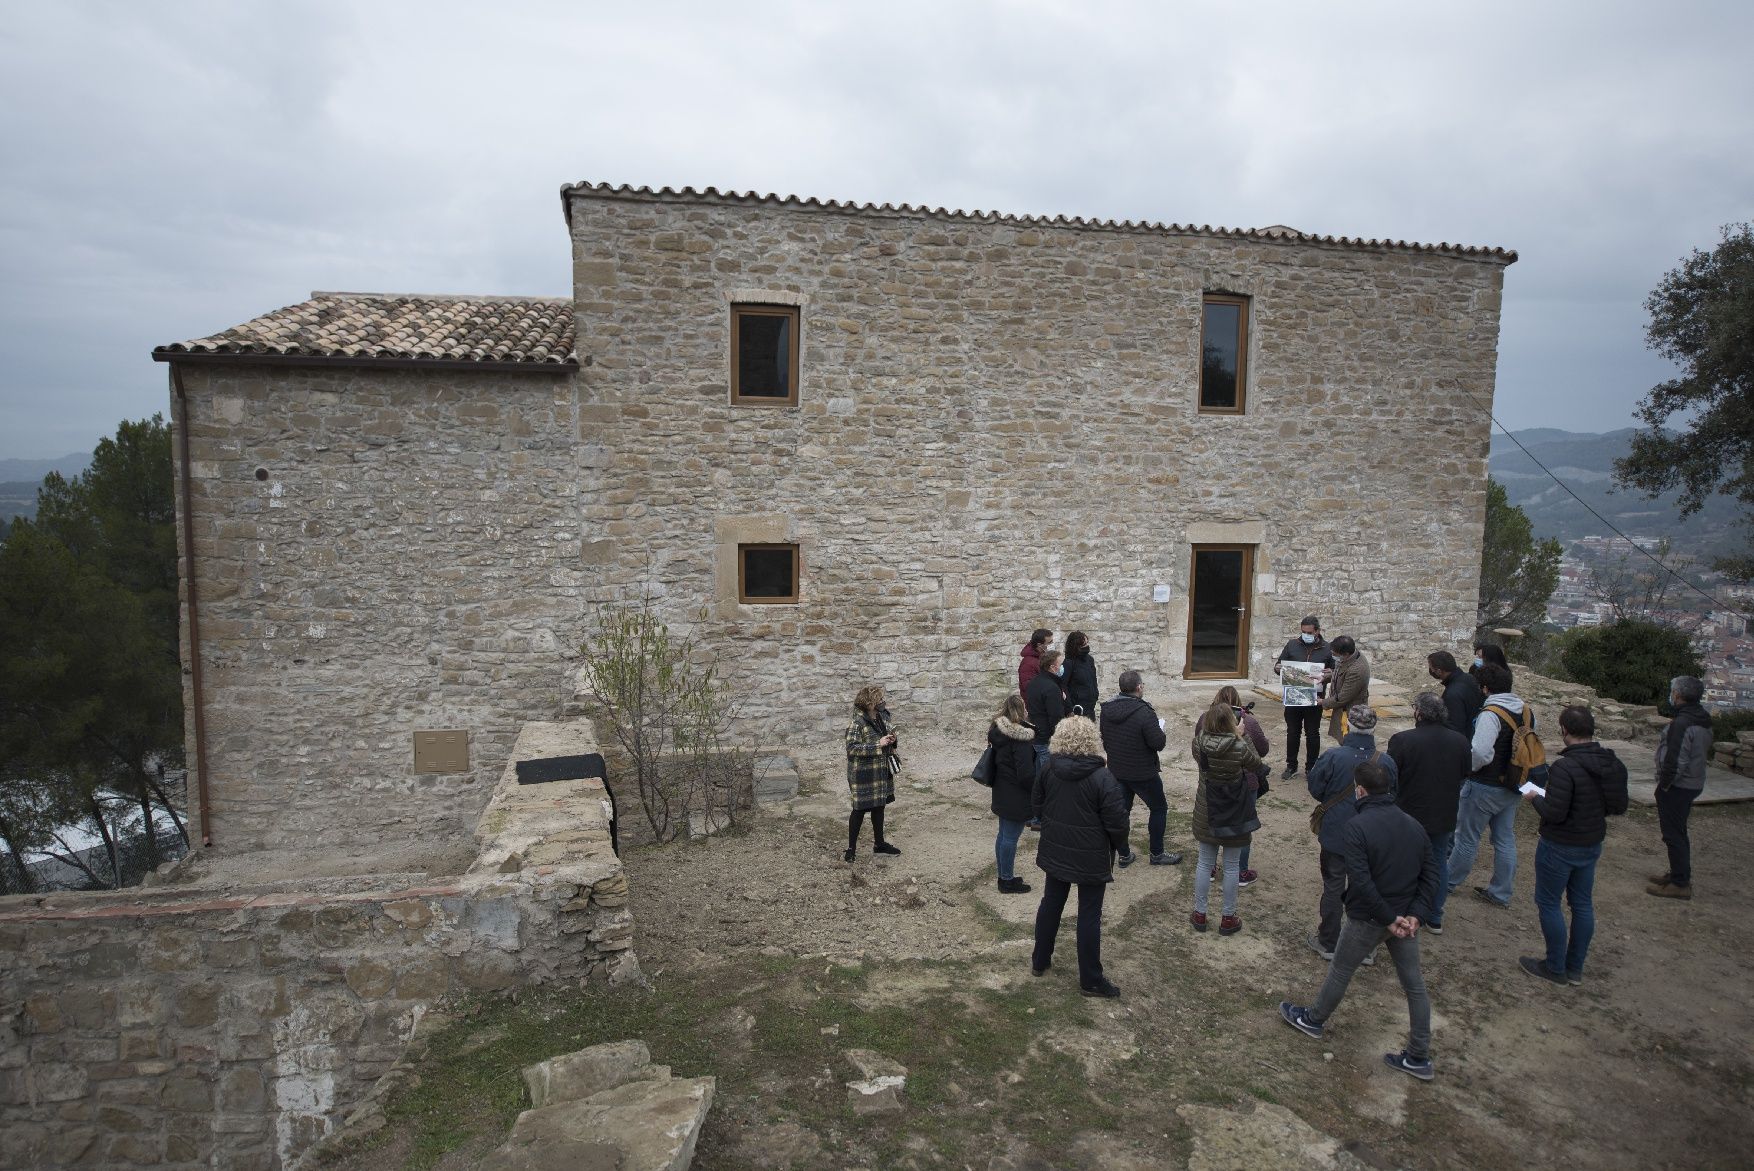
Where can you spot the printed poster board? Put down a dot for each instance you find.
(1303, 684)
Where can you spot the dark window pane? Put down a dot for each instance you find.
(767, 573)
(764, 355)
(1217, 617)
(1220, 349)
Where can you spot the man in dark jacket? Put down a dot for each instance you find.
(1083, 825)
(1391, 882)
(1586, 784)
(1682, 755)
(1132, 736)
(1431, 762)
(1046, 702)
(1304, 723)
(1462, 697)
(1330, 783)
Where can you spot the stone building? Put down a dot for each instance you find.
(842, 443)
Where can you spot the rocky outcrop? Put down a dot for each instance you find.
(606, 1107)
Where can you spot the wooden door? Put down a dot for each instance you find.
(1220, 597)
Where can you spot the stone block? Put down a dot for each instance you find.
(489, 971)
(653, 1125)
(89, 1008)
(241, 1091)
(879, 1086)
(579, 1075)
(58, 1082)
(425, 978)
(370, 979)
(190, 1092)
(197, 1007)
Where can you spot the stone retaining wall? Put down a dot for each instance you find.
(189, 1027)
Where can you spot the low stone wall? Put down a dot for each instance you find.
(190, 1027)
(1736, 755)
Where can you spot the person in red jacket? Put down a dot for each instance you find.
(1030, 666)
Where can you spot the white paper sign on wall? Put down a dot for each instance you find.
(1160, 593)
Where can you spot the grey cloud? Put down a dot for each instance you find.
(173, 169)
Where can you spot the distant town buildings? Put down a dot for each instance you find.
(1722, 635)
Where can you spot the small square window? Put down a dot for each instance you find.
(1224, 336)
(767, 574)
(764, 354)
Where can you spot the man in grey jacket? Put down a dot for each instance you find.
(1681, 757)
(1489, 800)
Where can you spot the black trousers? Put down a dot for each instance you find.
(1673, 806)
(1333, 907)
(1308, 721)
(1047, 926)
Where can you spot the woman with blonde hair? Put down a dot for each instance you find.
(1224, 810)
(871, 768)
(1011, 738)
(1083, 826)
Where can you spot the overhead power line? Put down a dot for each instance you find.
(1646, 553)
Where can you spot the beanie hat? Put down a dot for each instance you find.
(1360, 718)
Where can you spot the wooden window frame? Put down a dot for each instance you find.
(1242, 354)
(1245, 631)
(743, 597)
(791, 312)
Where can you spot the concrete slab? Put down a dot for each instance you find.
(1722, 787)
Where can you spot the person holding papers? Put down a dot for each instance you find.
(1586, 784)
(1488, 799)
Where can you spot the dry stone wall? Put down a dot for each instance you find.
(188, 1027)
(997, 429)
(379, 552)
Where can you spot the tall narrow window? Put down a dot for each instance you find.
(764, 354)
(767, 573)
(1224, 334)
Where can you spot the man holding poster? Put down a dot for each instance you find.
(1300, 666)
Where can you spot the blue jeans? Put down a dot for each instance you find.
(1041, 757)
(1150, 792)
(1005, 848)
(1441, 846)
(1569, 871)
(1210, 857)
(1481, 806)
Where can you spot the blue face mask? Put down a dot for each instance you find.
(1478, 662)
(1308, 638)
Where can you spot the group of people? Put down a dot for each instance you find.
(1397, 827)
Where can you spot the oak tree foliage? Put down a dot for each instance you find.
(1702, 319)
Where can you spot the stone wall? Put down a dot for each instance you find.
(407, 560)
(191, 1027)
(997, 429)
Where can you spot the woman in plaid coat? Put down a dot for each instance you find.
(871, 768)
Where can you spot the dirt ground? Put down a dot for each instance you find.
(1648, 1064)
(768, 956)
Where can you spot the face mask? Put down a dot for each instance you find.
(1478, 662)
(1307, 638)
(1059, 670)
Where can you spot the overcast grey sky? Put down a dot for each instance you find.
(171, 169)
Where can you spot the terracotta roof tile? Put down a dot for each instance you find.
(1278, 232)
(522, 331)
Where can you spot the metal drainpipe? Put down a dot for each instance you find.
(194, 596)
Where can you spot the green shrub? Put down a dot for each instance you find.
(1725, 725)
(1631, 661)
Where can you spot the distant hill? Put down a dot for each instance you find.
(20, 479)
(1586, 463)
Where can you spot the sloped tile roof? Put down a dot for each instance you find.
(499, 331)
(1277, 232)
